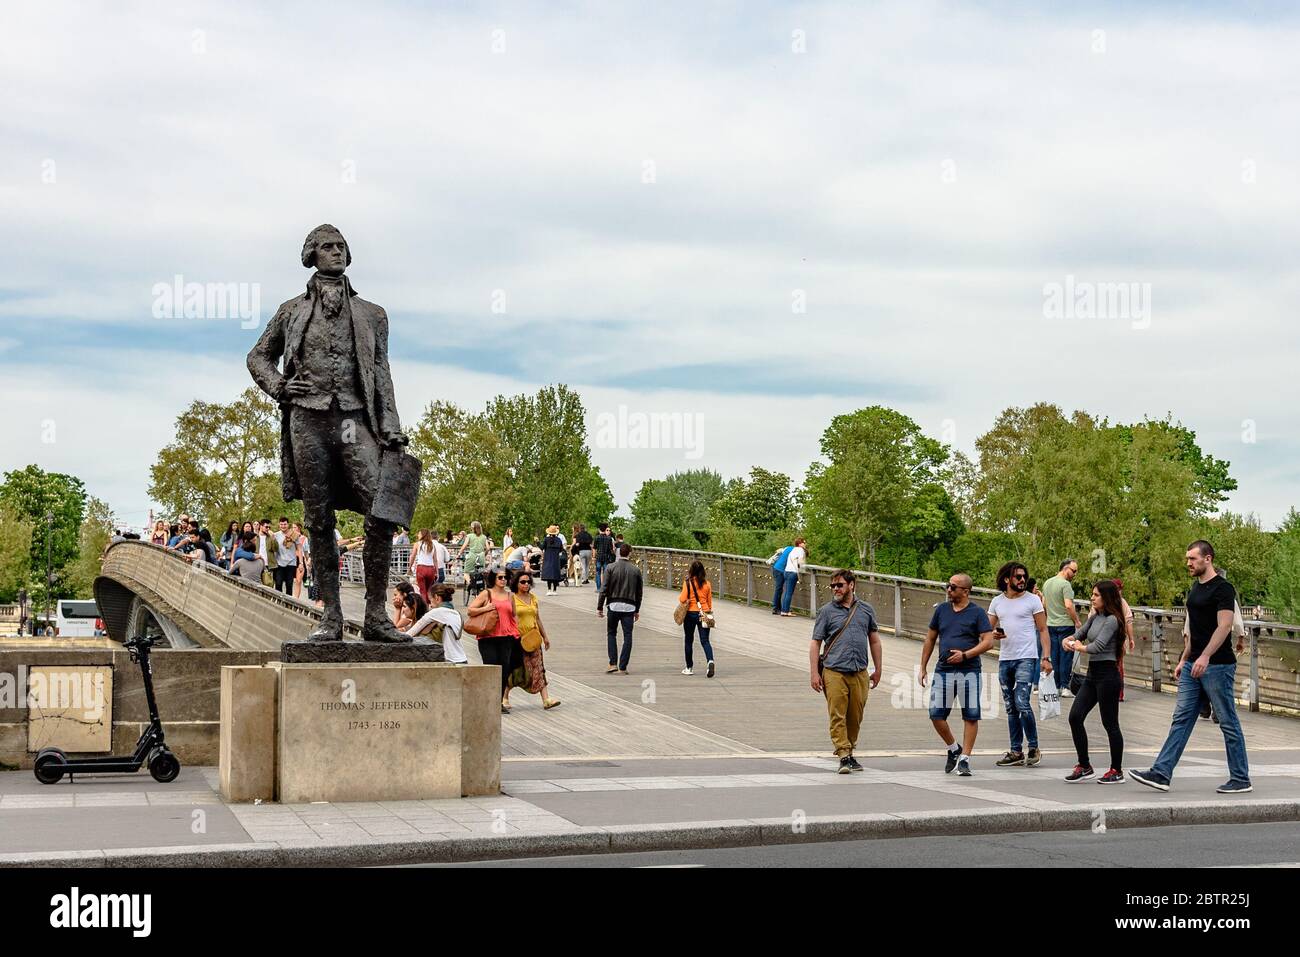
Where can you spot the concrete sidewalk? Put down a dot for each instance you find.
(562, 806)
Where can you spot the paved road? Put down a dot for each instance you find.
(1237, 845)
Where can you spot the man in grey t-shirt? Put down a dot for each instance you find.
(848, 627)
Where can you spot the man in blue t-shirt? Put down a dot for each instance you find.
(963, 632)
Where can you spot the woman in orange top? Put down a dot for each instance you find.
(698, 595)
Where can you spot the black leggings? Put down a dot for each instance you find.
(503, 650)
(1100, 687)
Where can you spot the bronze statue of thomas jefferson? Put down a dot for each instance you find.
(338, 421)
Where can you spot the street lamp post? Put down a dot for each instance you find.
(49, 574)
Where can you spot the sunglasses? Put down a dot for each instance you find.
(951, 587)
(838, 585)
(525, 581)
(1019, 578)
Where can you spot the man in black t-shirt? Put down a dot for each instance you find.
(963, 632)
(1207, 669)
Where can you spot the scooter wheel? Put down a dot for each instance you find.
(49, 766)
(164, 767)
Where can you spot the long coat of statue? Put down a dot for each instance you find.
(284, 337)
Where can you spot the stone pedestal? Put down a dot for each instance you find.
(363, 731)
(247, 748)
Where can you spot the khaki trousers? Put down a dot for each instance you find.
(846, 699)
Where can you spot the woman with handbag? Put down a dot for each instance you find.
(532, 639)
(695, 610)
(491, 619)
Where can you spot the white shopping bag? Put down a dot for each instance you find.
(1049, 700)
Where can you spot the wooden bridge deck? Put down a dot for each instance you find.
(760, 700)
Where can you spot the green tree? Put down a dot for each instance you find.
(29, 495)
(95, 533)
(224, 464)
(977, 554)
(546, 437)
(1121, 500)
(764, 501)
(878, 462)
(1212, 481)
(660, 516)
(960, 479)
(466, 476)
(699, 489)
(1243, 550)
(15, 554)
(594, 501)
(1284, 570)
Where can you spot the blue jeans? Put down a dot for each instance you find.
(1015, 677)
(617, 618)
(1216, 685)
(783, 590)
(600, 573)
(690, 624)
(1062, 658)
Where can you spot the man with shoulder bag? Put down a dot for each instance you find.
(837, 657)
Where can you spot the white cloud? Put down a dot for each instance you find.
(774, 172)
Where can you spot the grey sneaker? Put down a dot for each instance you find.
(1012, 758)
(963, 767)
(1150, 779)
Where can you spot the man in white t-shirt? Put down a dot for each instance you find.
(1020, 625)
(444, 559)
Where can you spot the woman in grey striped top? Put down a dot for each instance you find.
(1102, 637)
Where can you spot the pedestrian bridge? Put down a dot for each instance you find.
(144, 587)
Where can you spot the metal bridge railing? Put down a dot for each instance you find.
(399, 566)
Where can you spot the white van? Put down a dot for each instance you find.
(79, 619)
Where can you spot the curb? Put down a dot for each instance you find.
(670, 837)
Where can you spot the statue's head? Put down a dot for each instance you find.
(326, 249)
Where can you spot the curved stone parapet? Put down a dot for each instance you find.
(205, 605)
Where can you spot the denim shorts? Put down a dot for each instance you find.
(950, 688)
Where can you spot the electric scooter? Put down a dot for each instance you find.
(52, 764)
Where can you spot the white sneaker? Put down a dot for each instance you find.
(687, 671)
(1066, 693)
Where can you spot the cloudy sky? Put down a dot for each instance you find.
(763, 214)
